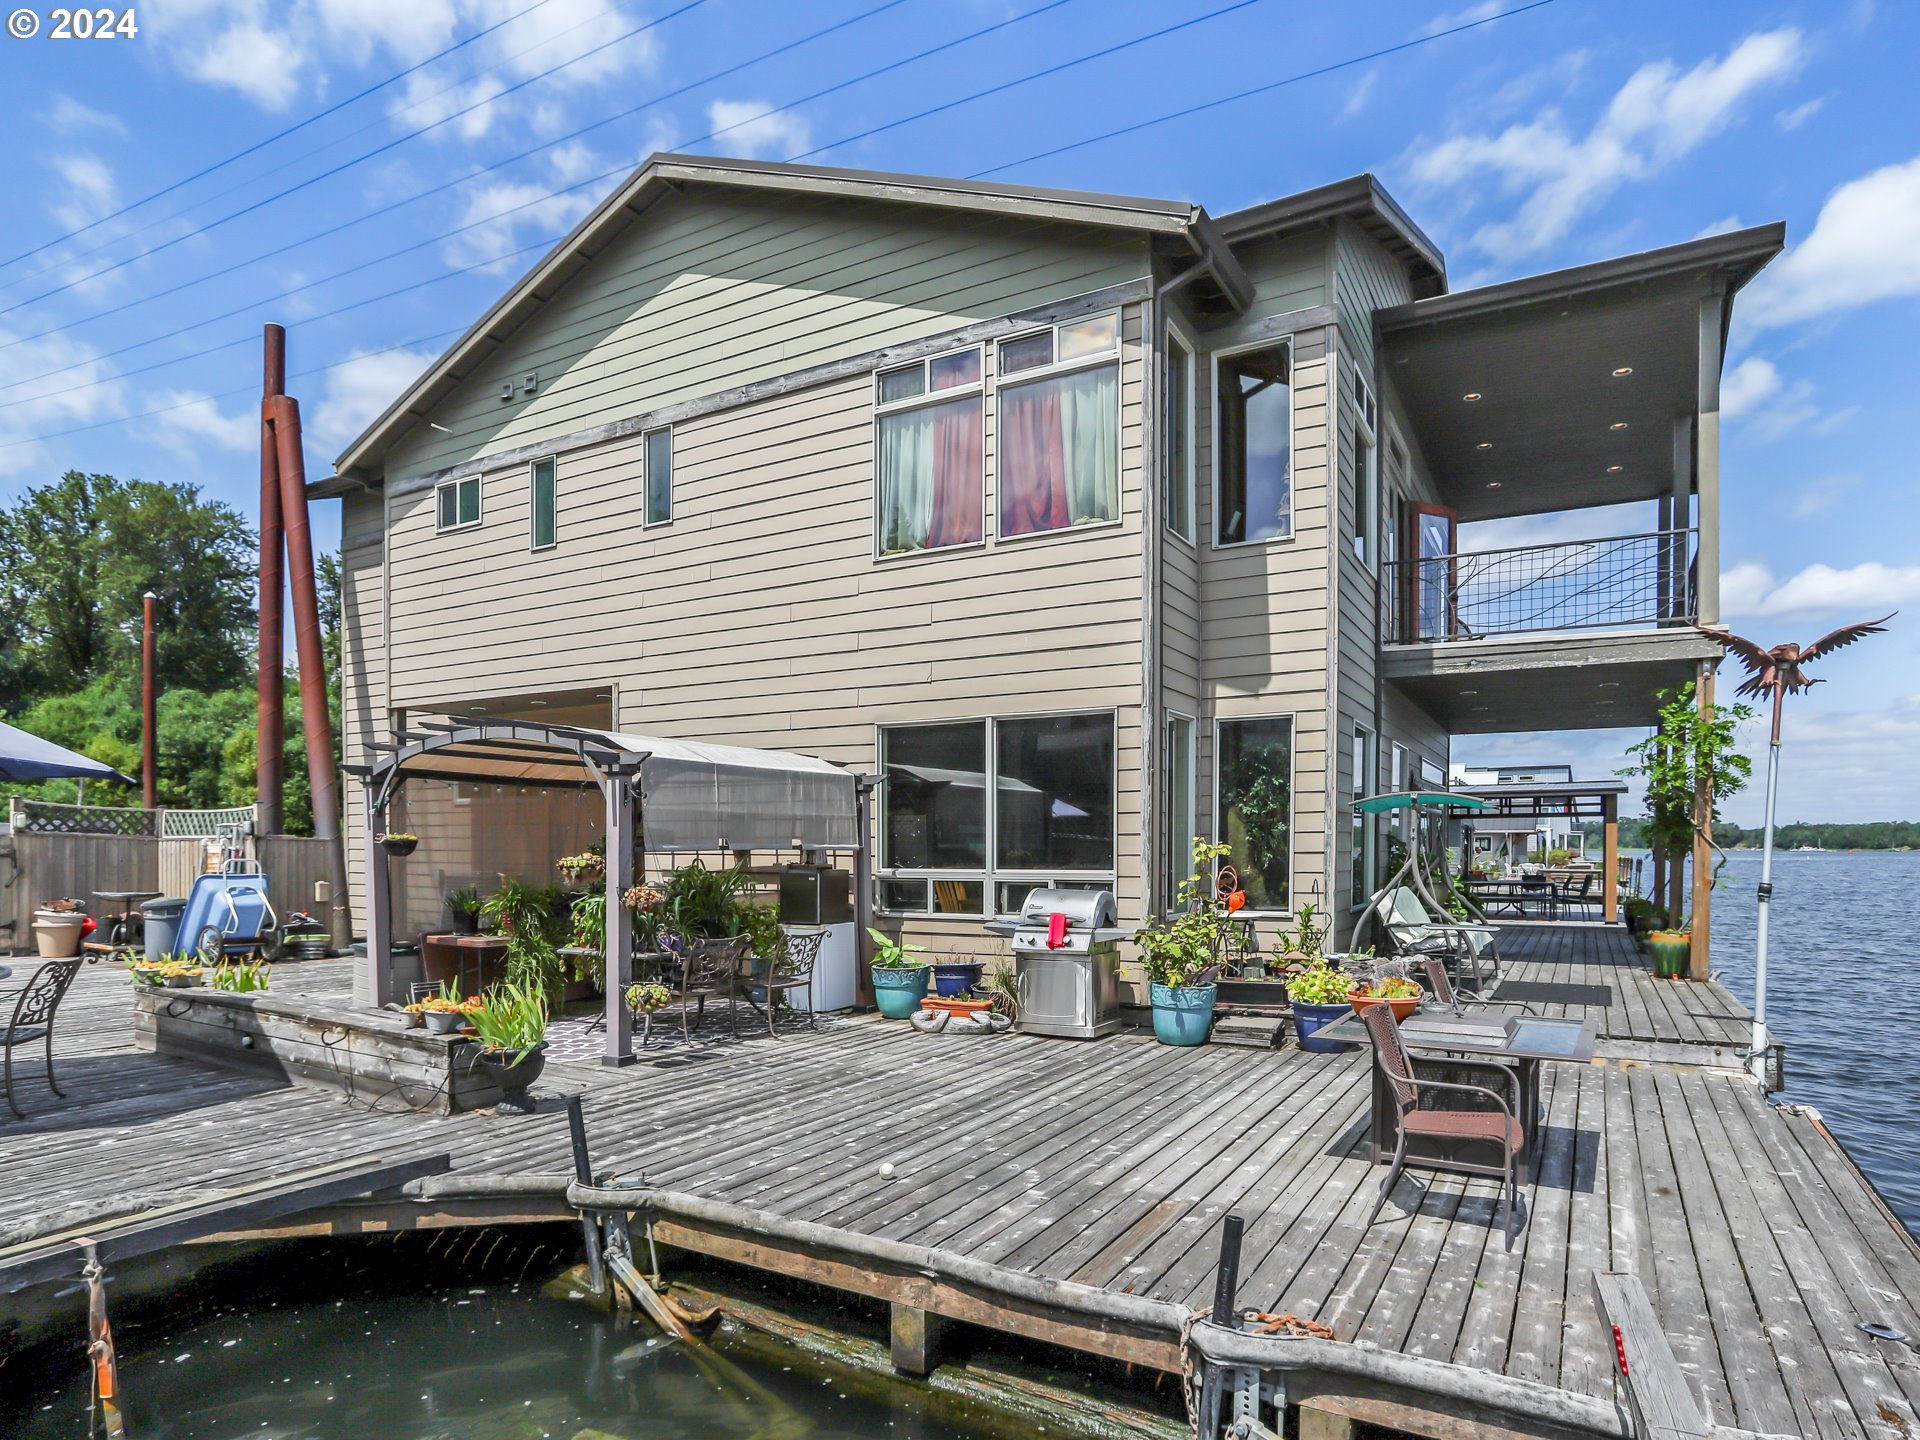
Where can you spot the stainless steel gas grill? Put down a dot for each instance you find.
(1068, 973)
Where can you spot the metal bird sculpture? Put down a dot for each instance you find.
(1776, 674)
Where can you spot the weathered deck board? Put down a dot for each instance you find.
(1115, 1163)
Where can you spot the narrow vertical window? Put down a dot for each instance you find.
(1177, 426)
(930, 454)
(1178, 830)
(659, 463)
(1255, 762)
(545, 502)
(1366, 464)
(1255, 444)
(1363, 827)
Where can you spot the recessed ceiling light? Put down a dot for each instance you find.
(1479, 708)
(1609, 684)
(478, 709)
(1618, 425)
(1623, 372)
(1469, 692)
(1471, 396)
(538, 704)
(1493, 484)
(1615, 469)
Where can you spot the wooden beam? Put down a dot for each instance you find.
(1610, 858)
(914, 1339)
(1699, 959)
(1664, 1408)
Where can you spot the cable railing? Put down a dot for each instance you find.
(1625, 581)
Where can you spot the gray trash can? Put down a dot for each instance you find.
(161, 921)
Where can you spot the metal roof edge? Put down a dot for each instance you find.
(1361, 194)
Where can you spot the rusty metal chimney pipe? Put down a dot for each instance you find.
(323, 778)
(270, 720)
(149, 707)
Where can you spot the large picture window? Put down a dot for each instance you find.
(1255, 759)
(1059, 427)
(975, 809)
(929, 454)
(1255, 466)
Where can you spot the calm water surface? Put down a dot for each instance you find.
(491, 1362)
(1840, 956)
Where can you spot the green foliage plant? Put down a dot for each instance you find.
(1690, 748)
(1319, 984)
(705, 904)
(240, 979)
(1187, 947)
(892, 954)
(510, 1019)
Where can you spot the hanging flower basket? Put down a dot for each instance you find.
(399, 842)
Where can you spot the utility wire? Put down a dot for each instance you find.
(315, 118)
(338, 140)
(349, 164)
(470, 176)
(1262, 89)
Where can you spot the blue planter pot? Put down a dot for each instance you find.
(958, 977)
(1308, 1019)
(898, 993)
(1183, 1014)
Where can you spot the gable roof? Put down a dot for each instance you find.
(1361, 199)
(663, 175)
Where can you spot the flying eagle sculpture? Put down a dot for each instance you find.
(1779, 670)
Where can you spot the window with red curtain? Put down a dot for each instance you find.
(1059, 427)
(929, 454)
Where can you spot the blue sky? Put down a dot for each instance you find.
(1573, 131)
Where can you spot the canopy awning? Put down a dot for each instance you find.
(1416, 799)
(26, 758)
(693, 795)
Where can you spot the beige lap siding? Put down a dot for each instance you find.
(363, 704)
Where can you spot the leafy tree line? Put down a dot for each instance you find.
(76, 556)
(1865, 835)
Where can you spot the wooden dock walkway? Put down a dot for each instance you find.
(1113, 1163)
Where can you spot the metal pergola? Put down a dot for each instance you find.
(1558, 800)
(697, 797)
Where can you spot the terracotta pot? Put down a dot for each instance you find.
(1401, 1007)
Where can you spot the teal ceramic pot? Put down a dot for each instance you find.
(898, 993)
(1183, 1014)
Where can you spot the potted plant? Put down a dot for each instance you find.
(240, 979)
(899, 980)
(1303, 942)
(587, 868)
(1671, 950)
(1182, 953)
(463, 910)
(399, 842)
(510, 1022)
(446, 1012)
(1401, 996)
(1320, 995)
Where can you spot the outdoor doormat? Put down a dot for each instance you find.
(1548, 992)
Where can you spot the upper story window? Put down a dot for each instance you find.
(1177, 426)
(457, 503)
(1366, 461)
(659, 475)
(1059, 427)
(930, 454)
(1254, 496)
(545, 505)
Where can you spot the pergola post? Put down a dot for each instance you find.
(863, 788)
(373, 975)
(617, 787)
(1610, 857)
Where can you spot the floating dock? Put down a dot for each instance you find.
(1076, 1192)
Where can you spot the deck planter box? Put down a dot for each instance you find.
(1244, 990)
(1183, 1014)
(957, 977)
(898, 992)
(1309, 1019)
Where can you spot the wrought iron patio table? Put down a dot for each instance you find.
(1522, 1042)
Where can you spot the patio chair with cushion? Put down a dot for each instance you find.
(1455, 1128)
(33, 1015)
(1413, 932)
(794, 972)
(710, 969)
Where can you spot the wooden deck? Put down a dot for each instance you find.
(1113, 1163)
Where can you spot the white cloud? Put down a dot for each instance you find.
(1743, 388)
(1725, 225)
(357, 391)
(262, 64)
(1798, 115)
(507, 215)
(1755, 393)
(90, 190)
(1864, 247)
(1657, 118)
(1485, 10)
(1750, 589)
(69, 116)
(1559, 527)
(192, 416)
(743, 128)
(1359, 96)
(90, 393)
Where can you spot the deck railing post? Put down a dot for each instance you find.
(621, 797)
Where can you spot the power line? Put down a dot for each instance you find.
(1262, 89)
(277, 135)
(349, 164)
(424, 101)
(470, 176)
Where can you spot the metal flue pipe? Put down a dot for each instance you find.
(323, 779)
(149, 707)
(270, 718)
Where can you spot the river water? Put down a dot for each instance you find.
(1841, 936)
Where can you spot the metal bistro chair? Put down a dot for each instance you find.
(33, 1019)
(709, 969)
(1460, 1127)
(794, 972)
(1441, 984)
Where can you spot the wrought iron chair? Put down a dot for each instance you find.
(709, 969)
(794, 971)
(33, 1015)
(1454, 1127)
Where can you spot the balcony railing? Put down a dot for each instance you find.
(1622, 582)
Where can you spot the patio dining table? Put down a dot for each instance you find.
(1522, 1043)
(1512, 896)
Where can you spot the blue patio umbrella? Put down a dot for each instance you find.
(25, 757)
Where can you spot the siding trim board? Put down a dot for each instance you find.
(1075, 307)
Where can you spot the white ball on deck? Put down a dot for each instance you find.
(886, 1169)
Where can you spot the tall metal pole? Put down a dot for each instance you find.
(270, 721)
(149, 708)
(323, 779)
(1757, 1057)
